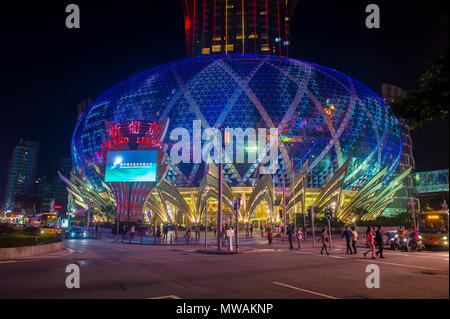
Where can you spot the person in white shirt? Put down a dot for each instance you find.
(355, 239)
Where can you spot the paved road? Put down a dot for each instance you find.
(114, 270)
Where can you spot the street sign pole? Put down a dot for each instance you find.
(219, 211)
(206, 227)
(329, 231)
(312, 223)
(284, 211)
(236, 207)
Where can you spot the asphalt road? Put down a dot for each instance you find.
(118, 270)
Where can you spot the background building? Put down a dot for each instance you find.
(21, 176)
(404, 197)
(61, 194)
(237, 26)
(432, 189)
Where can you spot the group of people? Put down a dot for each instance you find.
(293, 234)
(374, 237)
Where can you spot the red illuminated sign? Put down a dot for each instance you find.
(132, 132)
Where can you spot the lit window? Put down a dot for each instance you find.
(262, 13)
(206, 51)
(230, 47)
(217, 48)
(217, 38)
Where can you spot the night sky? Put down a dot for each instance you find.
(48, 69)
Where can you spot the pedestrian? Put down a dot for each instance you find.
(379, 241)
(354, 239)
(324, 239)
(158, 233)
(215, 231)
(246, 230)
(290, 234)
(124, 231)
(131, 233)
(261, 230)
(370, 242)
(269, 236)
(165, 231)
(348, 238)
(251, 230)
(197, 232)
(299, 237)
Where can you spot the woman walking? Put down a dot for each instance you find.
(370, 241)
(324, 239)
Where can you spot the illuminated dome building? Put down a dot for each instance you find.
(323, 116)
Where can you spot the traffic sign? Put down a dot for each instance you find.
(57, 207)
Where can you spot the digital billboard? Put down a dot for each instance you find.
(131, 166)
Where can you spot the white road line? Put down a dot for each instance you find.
(166, 297)
(424, 255)
(304, 290)
(372, 261)
(395, 264)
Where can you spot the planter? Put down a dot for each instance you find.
(28, 251)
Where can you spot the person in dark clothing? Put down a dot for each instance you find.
(348, 238)
(251, 230)
(379, 241)
(290, 234)
(158, 233)
(269, 236)
(324, 239)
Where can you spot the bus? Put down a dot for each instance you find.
(433, 228)
(47, 223)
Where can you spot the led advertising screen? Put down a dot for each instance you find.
(131, 166)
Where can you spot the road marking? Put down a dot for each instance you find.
(395, 264)
(304, 290)
(443, 257)
(370, 260)
(166, 297)
(335, 256)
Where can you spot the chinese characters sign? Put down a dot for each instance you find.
(132, 132)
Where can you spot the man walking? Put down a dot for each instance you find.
(290, 234)
(251, 230)
(379, 241)
(354, 239)
(299, 237)
(348, 238)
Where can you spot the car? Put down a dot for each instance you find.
(76, 232)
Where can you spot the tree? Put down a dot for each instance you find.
(430, 100)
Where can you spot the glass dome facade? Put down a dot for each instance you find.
(323, 116)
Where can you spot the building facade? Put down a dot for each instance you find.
(237, 26)
(21, 175)
(406, 196)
